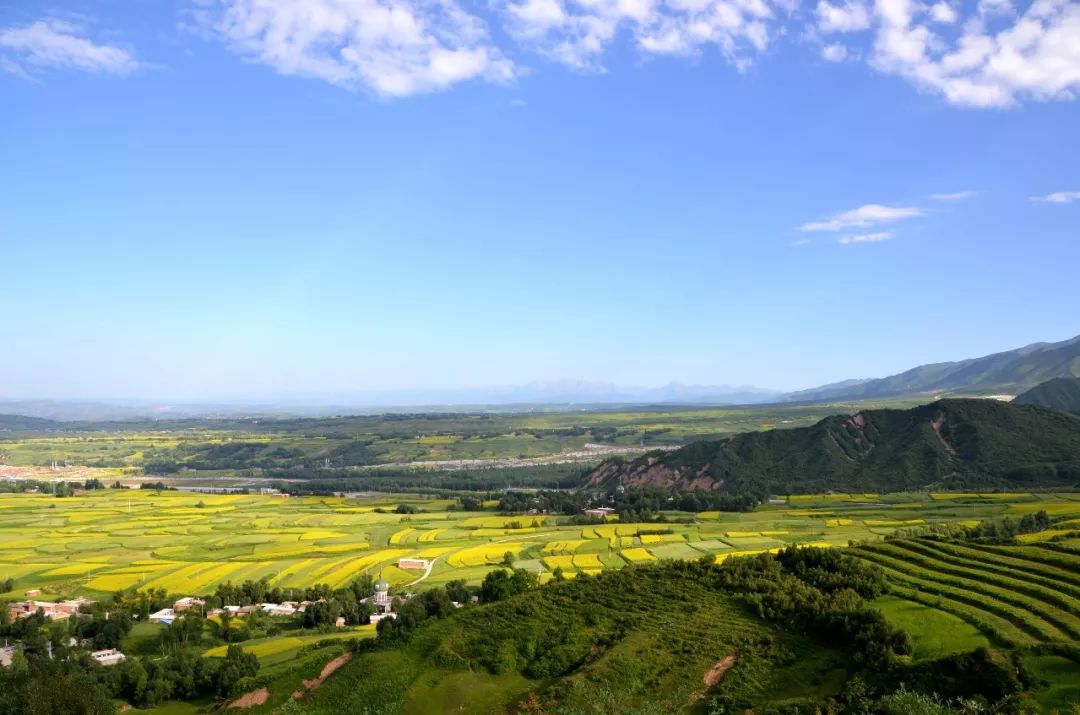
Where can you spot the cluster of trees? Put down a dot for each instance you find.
(426, 606)
(78, 685)
(637, 504)
(488, 482)
(182, 675)
(49, 676)
(98, 626)
(822, 592)
(1009, 528)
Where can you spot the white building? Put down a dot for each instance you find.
(278, 609)
(108, 657)
(165, 615)
(381, 599)
(376, 617)
(7, 654)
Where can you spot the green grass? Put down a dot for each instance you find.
(1052, 607)
(987, 599)
(1061, 678)
(282, 648)
(934, 633)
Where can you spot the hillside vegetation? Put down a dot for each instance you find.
(1007, 372)
(1061, 393)
(646, 638)
(949, 444)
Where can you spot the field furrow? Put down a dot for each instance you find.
(1022, 617)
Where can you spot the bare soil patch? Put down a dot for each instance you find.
(252, 699)
(327, 671)
(716, 673)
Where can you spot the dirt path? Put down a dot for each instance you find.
(250, 700)
(427, 572)
(327, 671)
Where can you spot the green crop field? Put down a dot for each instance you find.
(953, 597)
(950, 597)
(109, 540)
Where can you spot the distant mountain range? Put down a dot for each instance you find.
(1061, 393)
(949, 444)
(560, 394)
(1009, 372)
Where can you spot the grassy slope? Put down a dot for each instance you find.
(934, 633)
(1062, 393)
(1002, 372)
(649, 637)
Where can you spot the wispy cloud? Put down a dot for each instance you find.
(954, 196)
(801, 242)
(868, 215)
(395, 47)
(578, 33)
(57, 44)
(867, 237)
(835, 52)
(1060, 197)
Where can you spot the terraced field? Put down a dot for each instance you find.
(108, 540)
(1016, 596)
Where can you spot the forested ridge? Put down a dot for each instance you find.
(948, 444)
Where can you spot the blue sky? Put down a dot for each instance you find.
(252, 198)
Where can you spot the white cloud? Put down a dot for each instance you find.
(1060, 197)
(56, 44)
(954, 196)
(395, 47)
(981, 53)
(1032, 56)
(849, 17)
(577, 33)
(834, 53)
(943, 13)
(868, 215)
(867, 237)
(801, 242)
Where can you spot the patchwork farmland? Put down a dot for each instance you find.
(110, 540)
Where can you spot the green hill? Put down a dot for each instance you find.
(949, 444)
(1061, 393)
(645, 638)
(1007, 372)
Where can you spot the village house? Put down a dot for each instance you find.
(165, 616)
(7, 654)
(599, 512)
(188, 602)
(413, 564)
(33, 593)
(53, 611)
(108, 657)
(278, 609)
